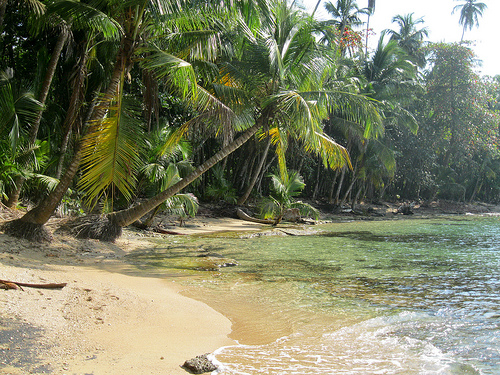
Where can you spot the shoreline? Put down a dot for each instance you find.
(103, 321)
(108, 320)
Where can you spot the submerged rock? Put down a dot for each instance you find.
(199, 365)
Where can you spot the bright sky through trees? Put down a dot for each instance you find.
(443, 26)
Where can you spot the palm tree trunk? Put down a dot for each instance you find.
(353, 203)
(316, 186)
(49, 75)
(351, 185)
(349, 189)
(315, 8)
(44, 210)
(332, 187)
(128, 216)
(256, 174)
(31, 225)
(262, 174)
(74, 106)
(339, 186)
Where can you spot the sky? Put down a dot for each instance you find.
(441, 24)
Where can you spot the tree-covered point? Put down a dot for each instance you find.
(122, 109)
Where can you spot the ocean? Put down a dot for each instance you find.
(418, 296)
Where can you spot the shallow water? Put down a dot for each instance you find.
(381, 297)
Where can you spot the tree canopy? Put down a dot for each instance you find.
(131, 104)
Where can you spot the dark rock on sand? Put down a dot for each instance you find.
(199, 365)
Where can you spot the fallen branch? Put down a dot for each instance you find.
(166, 231)
(16, 285)
(244, 216)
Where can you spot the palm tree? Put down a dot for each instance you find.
(371, 10)
(281, 78)
(345, 15)
(409, 37)
(51, 67)
(470, 11)
(109, 148)
(390, 73)
(390, 78)
(282, 198)
(64, 16)
(260, 86)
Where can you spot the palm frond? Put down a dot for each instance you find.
(306, 209)
(111, 153)
(354, 108)
(332, 154)
(178, 73)
(18, 109)
(182, 205)
(45, 182)
(270, 208)
(280, 142)
(84, 16)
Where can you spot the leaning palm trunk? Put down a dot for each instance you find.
(110, 229)
(31, 225)
(49, 75)
(339, 186)
(76, 100)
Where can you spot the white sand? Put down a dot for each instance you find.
(103, 321)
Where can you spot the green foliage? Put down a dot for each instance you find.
(191, 75)
(220, 188)
(111, 153)
(282, 198)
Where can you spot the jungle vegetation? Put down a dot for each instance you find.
(122, 108)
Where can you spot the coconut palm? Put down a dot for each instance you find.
(470, 11)
(371, 10)
(160, 36)
(272, 83)
(65, 17)
(390, 78)
(282, 198)
(290, 74)
(409, 37)
(162, 169)
(345, 15)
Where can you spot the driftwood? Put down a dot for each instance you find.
(166, 231)
(244, 216)
(16, 285)
(157, 229)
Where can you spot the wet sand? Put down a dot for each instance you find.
(106, 320)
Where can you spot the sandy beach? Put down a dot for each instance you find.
(104, 321)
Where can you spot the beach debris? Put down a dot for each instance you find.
(406, 208)
(5, 284)
(167, 231)
(199, 364)
(244, 216)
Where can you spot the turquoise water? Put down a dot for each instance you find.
(381, 297)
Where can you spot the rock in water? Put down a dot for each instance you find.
(199, 365)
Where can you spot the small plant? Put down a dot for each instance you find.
(283, 191)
